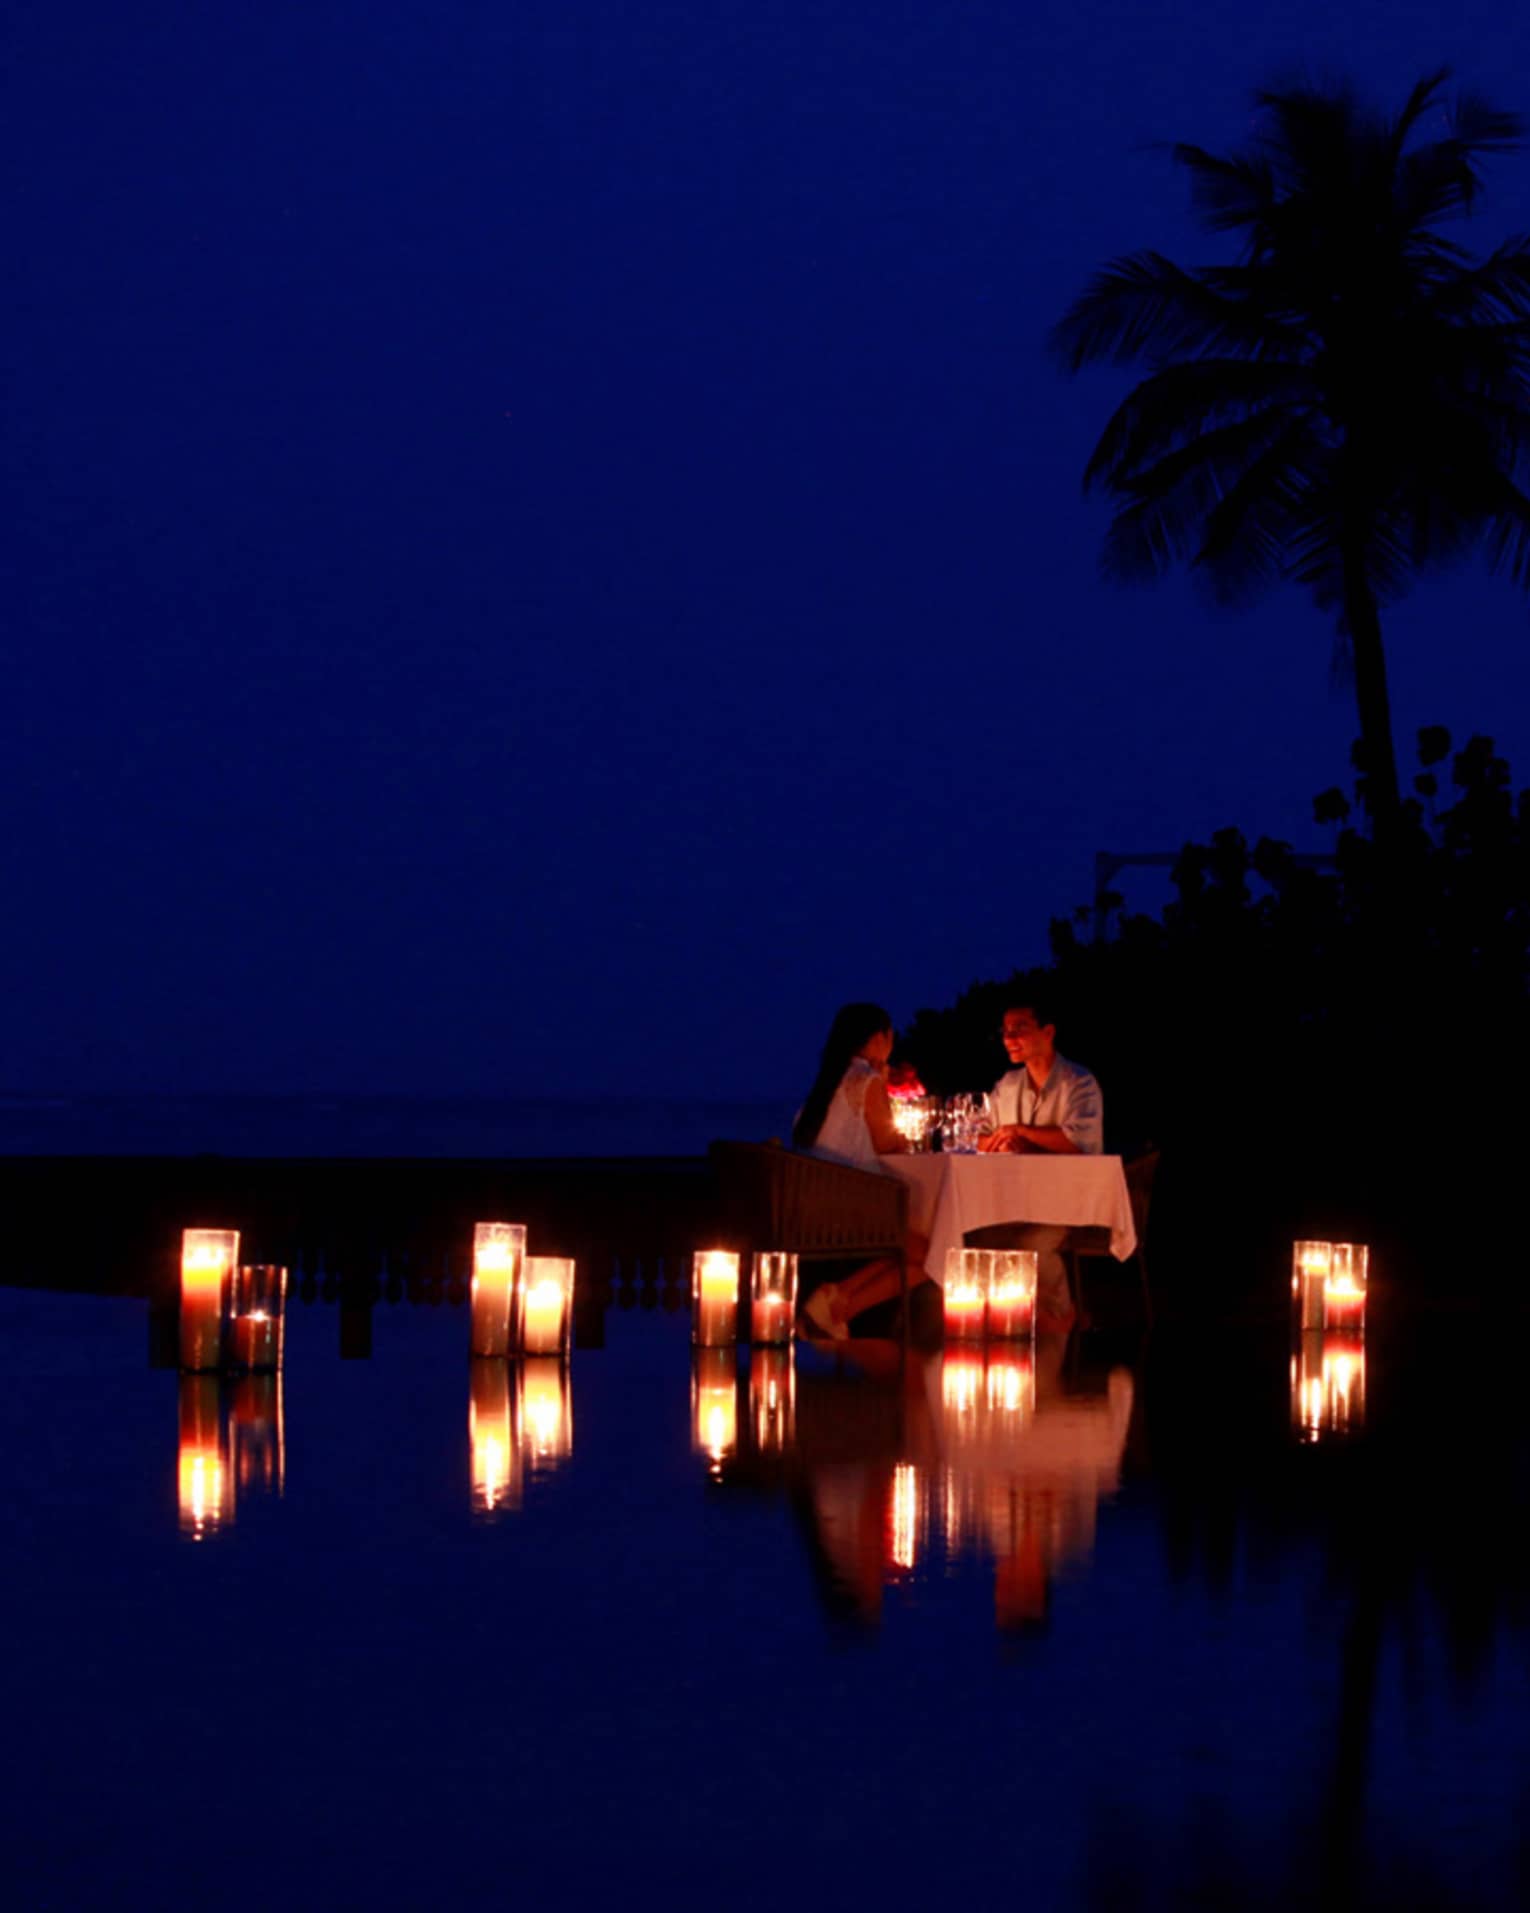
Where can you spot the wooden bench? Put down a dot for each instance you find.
(769, 1197)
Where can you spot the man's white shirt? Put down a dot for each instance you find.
(1068, 1100)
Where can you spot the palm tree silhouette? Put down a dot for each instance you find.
(1344, 406)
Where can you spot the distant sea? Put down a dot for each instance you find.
(375, 1126)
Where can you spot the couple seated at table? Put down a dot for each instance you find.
(1043, 1103)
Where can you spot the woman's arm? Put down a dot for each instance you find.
(885, 1139)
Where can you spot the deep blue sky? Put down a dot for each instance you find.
(542, 549)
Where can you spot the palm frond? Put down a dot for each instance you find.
(1507, 538)
(1174, 405)
(1143, 306)
(1495, 290)
(1226, 193)
(1247, 538)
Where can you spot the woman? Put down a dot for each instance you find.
(847, 1118)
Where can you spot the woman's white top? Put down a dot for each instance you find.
(844, 1136)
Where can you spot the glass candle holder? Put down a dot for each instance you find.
(714, 1405)
(1311, 1263)
(714, 1298)
(773, 1299)
(544, 1413)
(493, 1457)
(499, 1250)
(773, 1399)
(258, 1327)
(204, 1480)
(1012, 1294)
(545, 1305)
(968, 1273)
(208, 1260)
(1344, 1290)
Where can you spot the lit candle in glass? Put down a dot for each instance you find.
(493, 1458)
(208, 1259)
(544, 1415)
(772, 1398)
(498, 1251)
(714, 1404)
(773, 1299)
(257, 1328)
(1310, 1266)
(1012, 1294)
(547, 1304)
(714, 1298)
(966, 1292)
(204, 1481)
(1345, 1286)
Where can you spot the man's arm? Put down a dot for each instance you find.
(1019, 1139)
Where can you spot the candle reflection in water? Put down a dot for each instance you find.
(258, 1435)
(772, 1399)
(1328, 1386)
(494, 1460)
(544, 1419)
(204, 1480)
(1010, 1391)
(714, 1405)
(905, 1517)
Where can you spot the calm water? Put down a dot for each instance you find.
(1110, 1628)
(377, 1125)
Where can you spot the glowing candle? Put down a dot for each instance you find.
(547, 1304)
(493, 1458)
(966, 1292)
(204, 1481)
(259, 1314)
(208, 1258)
(498, 1250)
(714, 1294)
(772, 1398)
(1345, 1287)
(1311, 1264)
(1012, 1294)
(544, 1419)
(773, 1299)
(714, 1405)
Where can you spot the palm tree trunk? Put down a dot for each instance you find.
(1363, 622)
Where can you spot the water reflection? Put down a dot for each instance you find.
(520, 1425)
(1328, 1385)
(714, 1405)
(493, 1459)
(258, 1435)
(204, 1479)
(902, 1464)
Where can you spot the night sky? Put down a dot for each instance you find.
(543, 550)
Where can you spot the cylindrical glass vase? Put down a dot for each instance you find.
(772, 1299)
(714, 1298)
(968, 1274)
(258, 1328)
(545, 1305)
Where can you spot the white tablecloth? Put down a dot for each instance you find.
(948, 1195)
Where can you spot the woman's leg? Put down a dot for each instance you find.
(879, 1281)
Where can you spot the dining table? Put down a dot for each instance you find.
(950, 1193)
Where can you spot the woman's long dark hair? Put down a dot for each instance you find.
(852, 1029)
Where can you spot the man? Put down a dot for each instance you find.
(1049, 1105)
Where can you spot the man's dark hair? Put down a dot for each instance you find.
(1038, 1002)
